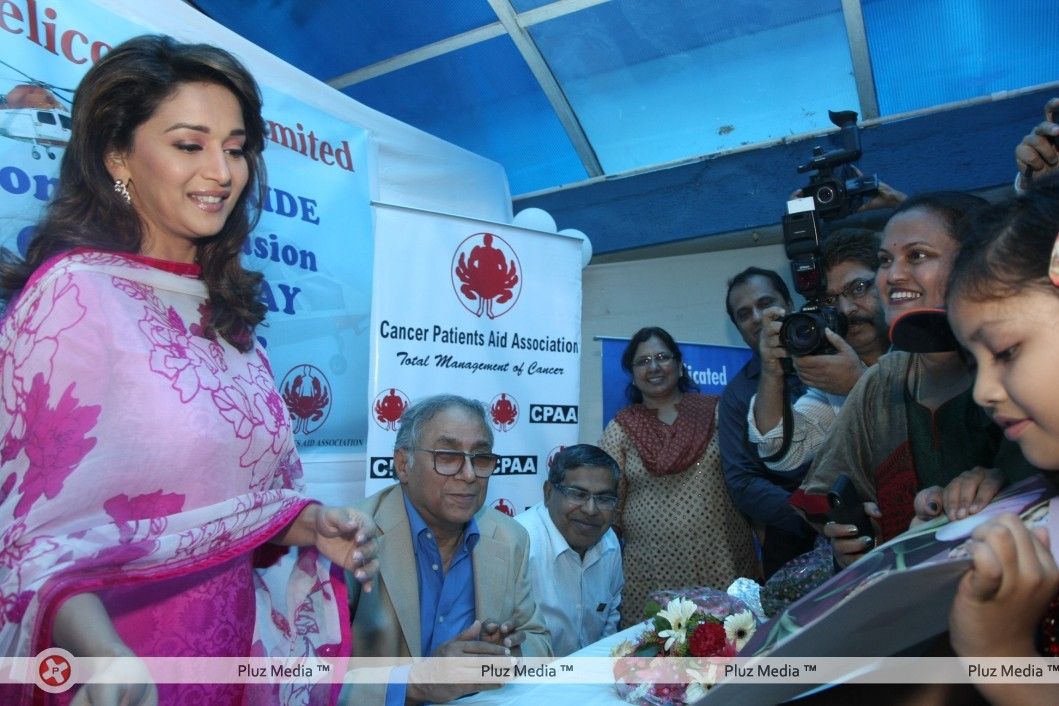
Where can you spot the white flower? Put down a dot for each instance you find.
(700, 683)
(635, 696)
(694, 692)
(677, 636)
(739, 628)
(677, 612)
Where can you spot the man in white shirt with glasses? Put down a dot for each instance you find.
(575, 558)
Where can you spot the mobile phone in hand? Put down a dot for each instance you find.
(847, 507)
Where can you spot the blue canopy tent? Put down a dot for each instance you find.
(651, 122)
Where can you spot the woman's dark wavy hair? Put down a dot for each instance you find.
(1008, 247)
(684, 383)
(115, 97)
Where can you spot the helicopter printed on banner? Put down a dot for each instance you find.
(31, 112)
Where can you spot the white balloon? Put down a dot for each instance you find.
(586, 244)
(534, 219)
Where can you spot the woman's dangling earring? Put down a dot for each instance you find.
(121, 190)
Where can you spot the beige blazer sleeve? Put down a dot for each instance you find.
(385, 622)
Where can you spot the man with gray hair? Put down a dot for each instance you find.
(575, 558)
(454, 577)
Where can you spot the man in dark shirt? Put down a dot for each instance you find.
(758, 492)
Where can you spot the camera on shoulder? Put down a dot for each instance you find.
(829, 195)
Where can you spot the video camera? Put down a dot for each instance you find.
(828, 196)
(835, 196)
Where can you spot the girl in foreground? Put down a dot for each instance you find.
(1003, 302)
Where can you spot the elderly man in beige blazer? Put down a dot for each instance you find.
(437, 547)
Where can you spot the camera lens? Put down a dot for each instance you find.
(802, 333)
(825, 195)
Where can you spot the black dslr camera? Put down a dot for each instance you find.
(827, 196)
(802, 333)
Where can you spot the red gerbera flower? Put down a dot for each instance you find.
(709, 640)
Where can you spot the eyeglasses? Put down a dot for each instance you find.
(580, 496)
(659, 358)
(852, 292)
(450, 463)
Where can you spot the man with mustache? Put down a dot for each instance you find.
(850, 260)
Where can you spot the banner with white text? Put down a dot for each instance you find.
(483, 310)
(313, 242)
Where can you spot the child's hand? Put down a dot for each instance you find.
(1002, 597)
(965, 495)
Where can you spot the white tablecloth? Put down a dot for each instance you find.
(543, 694)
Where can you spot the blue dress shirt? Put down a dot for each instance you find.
(446, 597)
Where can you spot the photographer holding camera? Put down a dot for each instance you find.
(757, 491)
(835, 190)
(849, 260)
(840, 330)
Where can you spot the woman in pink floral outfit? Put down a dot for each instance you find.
(147, 463)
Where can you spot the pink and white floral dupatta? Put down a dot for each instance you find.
(137, 451)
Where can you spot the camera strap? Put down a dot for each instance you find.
(788, 415)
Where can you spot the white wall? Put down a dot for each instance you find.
(682, 294)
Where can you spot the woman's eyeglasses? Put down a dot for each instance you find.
(659, 358)
(449, 463)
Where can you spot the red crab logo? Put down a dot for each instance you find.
(487, 275)
(504, 505)
(308, 396)
(389, 405)
(553, 453)
(503, 412)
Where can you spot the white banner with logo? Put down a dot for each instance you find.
(483, 310)
(313, 242)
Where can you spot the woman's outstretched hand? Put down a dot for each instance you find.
(346, 536)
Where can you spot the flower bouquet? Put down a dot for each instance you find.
(660, 668)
